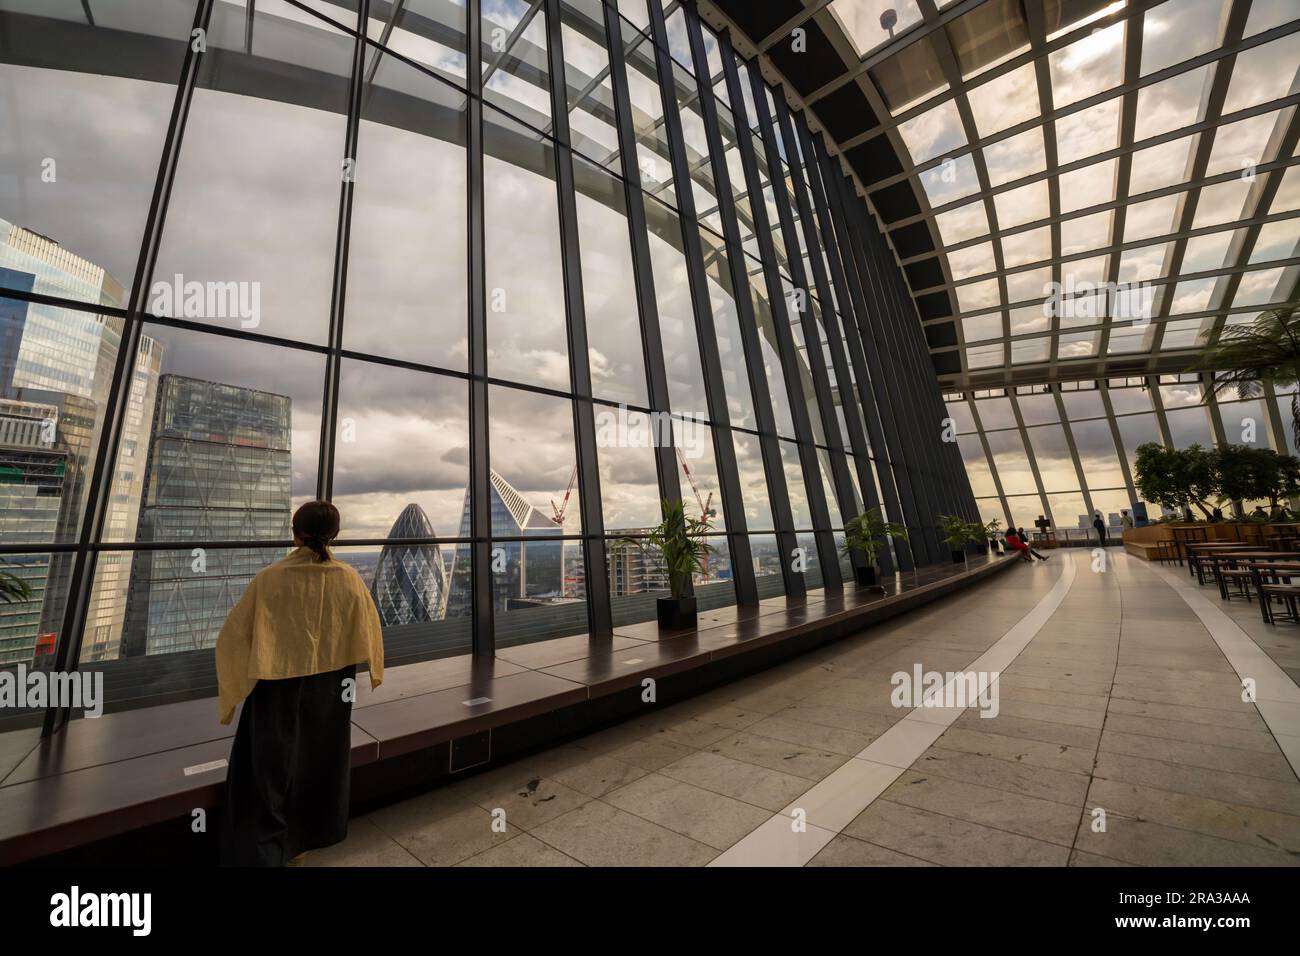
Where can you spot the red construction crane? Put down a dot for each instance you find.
(706, 512)
(557, 514)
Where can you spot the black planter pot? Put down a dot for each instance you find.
(958, 557)
(866, 577)
(676, 614)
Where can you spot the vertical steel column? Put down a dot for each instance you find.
(879, 416)
(1029, 454)
(599, 615)
(787, 541)
(652, 347)
(864, 432)
(1074, 449)
(333, 363)
(814, 486)
(907, 386)
(835, 455)
(67, 652)
(888, 396)
(480, 482)
(774, 473)
(1104, 389)
(706, 334)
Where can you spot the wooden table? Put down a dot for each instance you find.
(1199, 549)
(1218, 558)
(1279, 572)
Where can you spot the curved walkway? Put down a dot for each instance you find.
(1120, 737)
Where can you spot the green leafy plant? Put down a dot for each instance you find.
(984, 533)
(679, 542)
(956, 531)
(1180, 479)
(13, 589)
(1244, 357)
(865, 534)
(1177, 479)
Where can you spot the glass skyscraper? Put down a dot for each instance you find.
(410, 584)
(218, 470)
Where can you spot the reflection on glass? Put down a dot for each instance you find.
(516, 76)
(527, 337)
(253, 214)
(403, 442)
(92, 213)
(407, 257)
(614, 349)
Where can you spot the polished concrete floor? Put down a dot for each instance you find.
(1121, 737)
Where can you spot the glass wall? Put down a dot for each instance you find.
(356, 232)
(1065, 452)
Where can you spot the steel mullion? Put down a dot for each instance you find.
(870, 396)
(840, 477)
(905, 474)
(859, 428)
(787, 539)
(814, 485)
(483, 639)
(67, 652)
(911, 387)
(651, 339)
(599, 613)
(705, 331)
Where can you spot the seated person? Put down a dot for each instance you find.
(1014, 542)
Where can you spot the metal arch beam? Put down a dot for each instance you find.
(596, 585)
(706, 333)
(769, 450)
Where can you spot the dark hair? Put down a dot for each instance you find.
(317, 524)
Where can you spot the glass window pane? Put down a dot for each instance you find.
(240, 176)
(407, 255)
(56, 120)
(588, 90)
(676, 314)
(403, 442)
(227, 446)
(614, 348)
(527, 337)
(629, 483)
(516, 76)
(753, 482)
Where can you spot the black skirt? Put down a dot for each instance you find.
(289, 779)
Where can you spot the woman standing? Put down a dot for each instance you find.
(289, 651)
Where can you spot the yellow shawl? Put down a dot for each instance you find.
(298, 617)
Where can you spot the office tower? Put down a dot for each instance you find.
(633, 569)
(32, 475)
(521, 570)
(218, 469)
(410, 583)
(64, 358)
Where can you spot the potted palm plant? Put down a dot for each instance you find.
(985, 534)
(679, 543)
(1245, 356)
(865, 535)
(956, 532)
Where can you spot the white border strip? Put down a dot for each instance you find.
(1276, 695)
(838, 799)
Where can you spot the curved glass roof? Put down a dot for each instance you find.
(1074, 189)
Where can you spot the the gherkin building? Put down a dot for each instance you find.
(410, 584)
